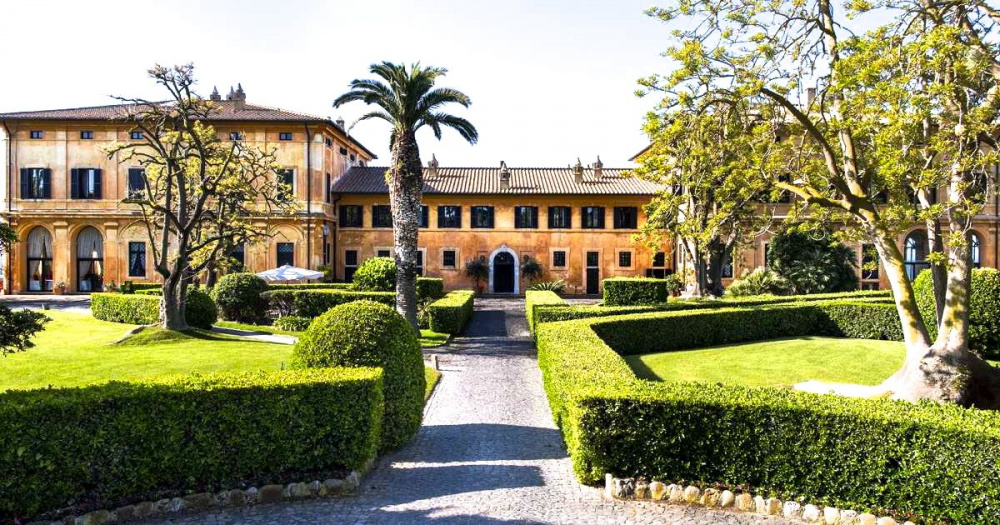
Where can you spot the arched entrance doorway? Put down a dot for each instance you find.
(503, 271)
(915, 253)
(39, 260)
(89, 260)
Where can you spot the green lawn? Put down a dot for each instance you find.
(432, 377)
(780, 362)
(430, 338)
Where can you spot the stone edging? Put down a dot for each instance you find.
(223, 499)
(639, 489)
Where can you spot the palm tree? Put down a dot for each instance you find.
(407, 99)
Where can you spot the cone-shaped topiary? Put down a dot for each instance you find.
(377, 274)
(366, 333)
(238, 297)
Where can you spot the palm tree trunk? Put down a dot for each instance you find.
(405, 181)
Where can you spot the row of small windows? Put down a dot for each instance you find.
(85, 183)
(483, 217)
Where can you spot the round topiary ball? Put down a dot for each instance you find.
(366, 333)
(377, 274)
(238, 297)
(200, 310)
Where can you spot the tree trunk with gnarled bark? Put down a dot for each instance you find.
(172, 305)
(405, 181)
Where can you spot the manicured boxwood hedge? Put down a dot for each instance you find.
(430, 288)
(938, 461)
(292, 323)
(140, 308)
(308, 286)
(630, 291)
(534, 299)
(103, 444)
(984, 309)
(313, 303)
(450, 313)
(566, 312)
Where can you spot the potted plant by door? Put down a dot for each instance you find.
(60, 288)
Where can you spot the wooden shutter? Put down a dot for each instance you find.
(47, 180)
(97, 184)
(25, 183)
(74, 183)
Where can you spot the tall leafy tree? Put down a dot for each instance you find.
(900, 110)
(201, 194)
(407, 99)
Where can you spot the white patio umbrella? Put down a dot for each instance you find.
(289, 273)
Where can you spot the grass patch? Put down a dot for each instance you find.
(776, 363)
(76, 349)
(430, 338)
(432, 377)
(261, 328)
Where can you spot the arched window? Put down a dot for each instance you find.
(915, 253)
(975, 247)
(39, 260)
(89, 260)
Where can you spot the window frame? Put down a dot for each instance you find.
(40, 184)
(278, 253)
(441, 220)
(491, 216)
(565, 259)
(629, 256)
(281, 173)
(131, 246)
(136, 135)
(379, 212)
(351, 267)
(455, 263)
(285, 136)
(632, 224)
(532, 223)
(425, 217)
(568, 218)
(36, 134)
(342, 216)
(95, 191)
(86, 134)
(587, 212)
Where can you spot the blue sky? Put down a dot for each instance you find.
(550, 80)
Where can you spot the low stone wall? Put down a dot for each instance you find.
(203, 501)
(639, 489)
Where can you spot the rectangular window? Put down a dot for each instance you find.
(284, 136)
(425, 216)
(37, 134)
(449, 216)
(526, 216)
(136, 182)
(593, 217)
(236, 135)
(626, 217)
(383, 253)
(86, 135)
(343, 151)
(420, 262)
(560, 217)
(381, 216)
(482, 216)
(136, 259)
(36, 183)
(350, 264)
(85, 183)
(351, 216)
(869, 263)
(328, 141)
(659, 260)
(625, 259)
(286, 254)
(328, 194)
(448, 259)
(326, 249)
(287, 177)
(136, 135)
(559, 259)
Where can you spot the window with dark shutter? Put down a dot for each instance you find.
(350, 264)
(136, 183)
(526, 216)
(659, 260)
(593, 217)
(381, 216)
(85, 183)
(560, 217)
(287, 178)
(626, 217)
(351, 216)
(449, 216)
(425, 216)
(482, 216)
(559, 259)
(36, 183)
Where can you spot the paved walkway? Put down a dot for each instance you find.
(488, 451)
(74, 303)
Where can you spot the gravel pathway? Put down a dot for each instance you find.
(488, 451)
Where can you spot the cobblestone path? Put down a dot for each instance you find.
(488, 451)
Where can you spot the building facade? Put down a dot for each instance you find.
(65, 198)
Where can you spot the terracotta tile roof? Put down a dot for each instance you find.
(227, 112)
(465, 181)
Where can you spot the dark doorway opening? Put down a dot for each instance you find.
(503, 273)
(593, 273)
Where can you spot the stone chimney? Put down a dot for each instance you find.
(432, 166)
(578, 171)
(340, 124)
(810, 96)
(598, 168)
(504, 176)
(215, 94)
(239, 98)
(232, 93)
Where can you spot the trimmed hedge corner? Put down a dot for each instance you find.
(98, 446)
(929, 459)
(629, 291)
(200, 310)
(313, 303)
(533, 299)
(365, 333)
(430, 288)
(449, 314)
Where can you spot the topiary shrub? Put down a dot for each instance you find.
(430, 288)
(984, 309)
(238, 297)
(200, 310)
(627, 291)
(121, 308)
(292, 323)
(366, 333)
(449, 314)
(535, 298)
(377, 274)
